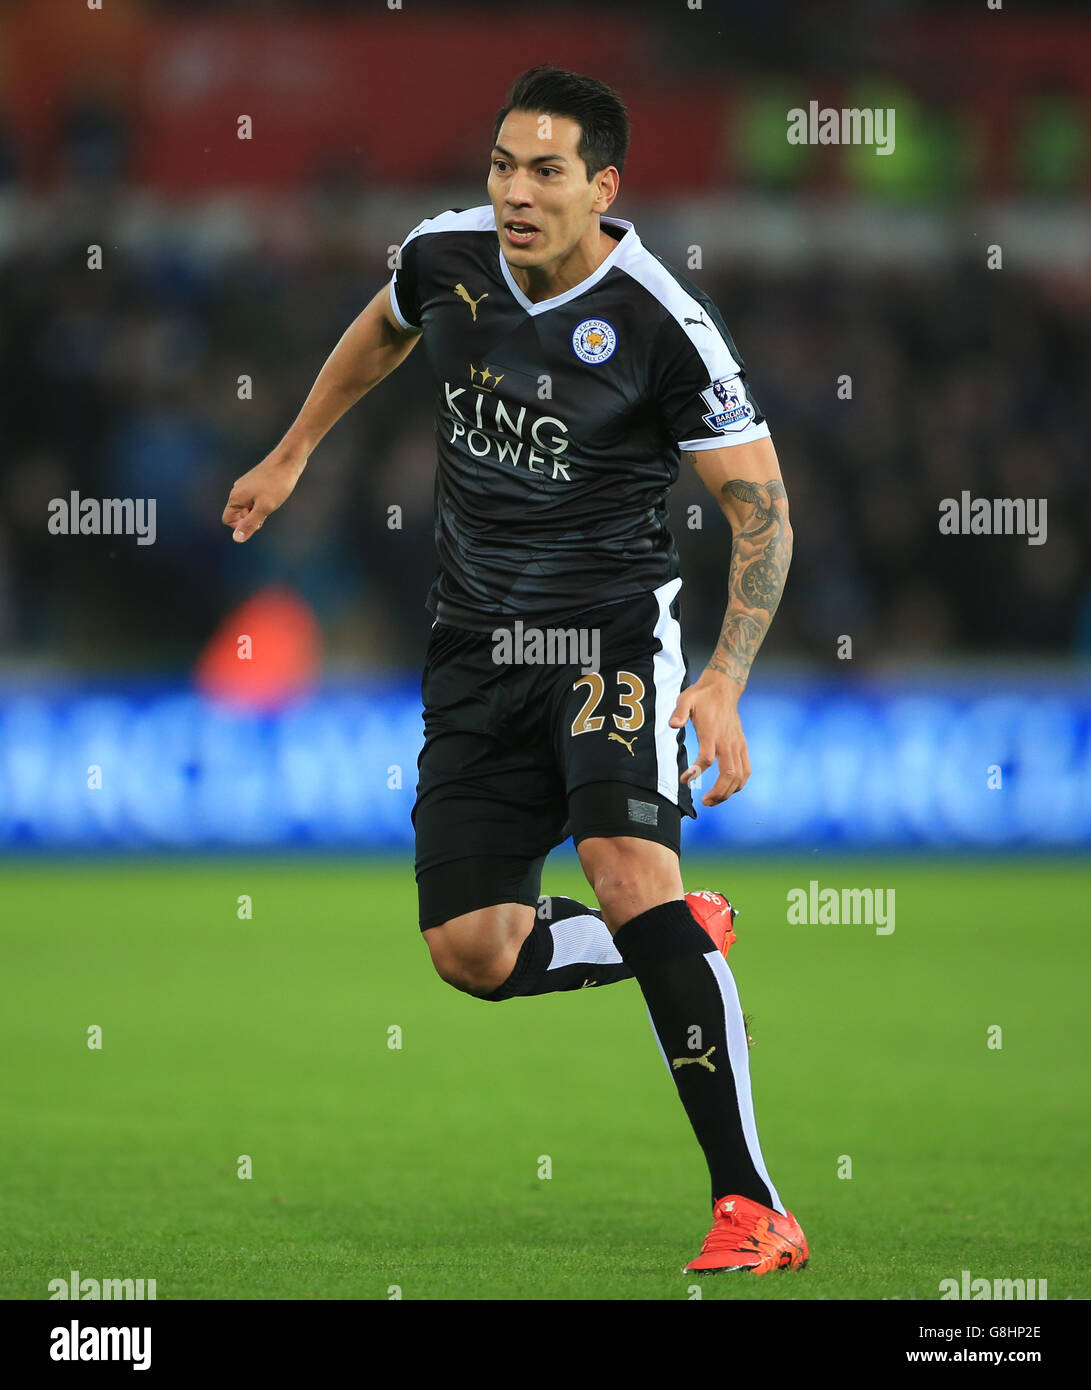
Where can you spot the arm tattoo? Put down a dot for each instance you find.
(761, 552)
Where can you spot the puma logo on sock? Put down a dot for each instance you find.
(701, 1061)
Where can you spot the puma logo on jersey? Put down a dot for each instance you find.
(628, 742)
(701, 1061)
(700, 321)
(464, 293)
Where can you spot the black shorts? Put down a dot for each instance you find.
(524, 746)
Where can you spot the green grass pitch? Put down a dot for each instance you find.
(418, 1167)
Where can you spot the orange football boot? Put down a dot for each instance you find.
(716, 915)
(747, 1236)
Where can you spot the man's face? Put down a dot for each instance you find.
(538, 181)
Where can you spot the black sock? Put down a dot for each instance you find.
(569, 947)
(694, 1011)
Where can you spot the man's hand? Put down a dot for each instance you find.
(260, 492)
(369, 350)
(713, 706)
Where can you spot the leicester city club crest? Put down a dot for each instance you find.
(728, 402)
(594, 340)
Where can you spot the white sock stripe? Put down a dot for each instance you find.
(668, 673)
(582, 941)
(739, 1057)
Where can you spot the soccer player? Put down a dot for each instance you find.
(573, 366)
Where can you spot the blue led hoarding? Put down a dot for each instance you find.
(145, 768)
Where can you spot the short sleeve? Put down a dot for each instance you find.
(405, 286)
(700, 385)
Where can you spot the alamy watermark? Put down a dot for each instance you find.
(108, 516)
(848, 126)
(994, 516)
(550, 646)
(90, 1289)
(971, 1288)
(813, 906)
(75, 1343)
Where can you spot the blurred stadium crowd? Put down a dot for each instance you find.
(124, 382)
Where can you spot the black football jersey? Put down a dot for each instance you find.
(559, 423)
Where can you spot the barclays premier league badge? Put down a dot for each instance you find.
(730, 408)
(594, 340)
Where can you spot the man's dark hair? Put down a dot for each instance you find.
(600, 112)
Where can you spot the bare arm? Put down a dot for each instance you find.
(745, 480)
(369, 350)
